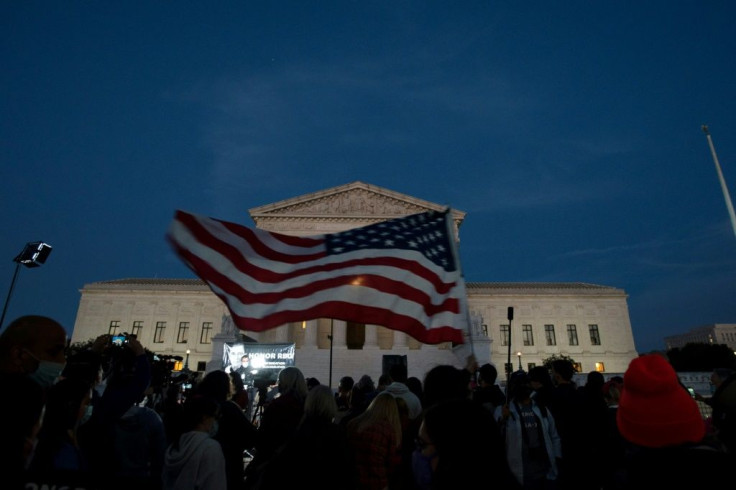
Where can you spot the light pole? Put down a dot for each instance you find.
(519, 356)
(724, 189)
(186, 361)
(509, 366)
(33, 255)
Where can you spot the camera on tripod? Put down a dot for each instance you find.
(261, 384)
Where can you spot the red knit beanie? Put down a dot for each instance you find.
(655, 410)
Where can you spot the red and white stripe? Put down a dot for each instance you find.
(268, 279)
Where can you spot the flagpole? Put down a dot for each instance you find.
(332, 324)
(726, 196)
(470, 324)
(473, 375)
(456, 254)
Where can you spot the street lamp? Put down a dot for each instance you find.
(186, 361)
(519, 356)
(509, 366)
(33, 255)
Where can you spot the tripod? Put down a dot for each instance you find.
(260, 405)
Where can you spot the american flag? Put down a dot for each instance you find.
(403, 273)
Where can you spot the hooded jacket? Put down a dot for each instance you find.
(140, 442)
(196, 464)
(400, 390)
(514, 439)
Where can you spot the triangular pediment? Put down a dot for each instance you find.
(341, 208)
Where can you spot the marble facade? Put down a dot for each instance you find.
(176, 315)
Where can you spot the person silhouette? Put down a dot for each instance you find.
(36, 346)
(532, 443)
(665, 431)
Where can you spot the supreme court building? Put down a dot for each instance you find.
(182, 317)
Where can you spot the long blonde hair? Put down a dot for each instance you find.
(291, 380)
(383, 408)
(320, 403)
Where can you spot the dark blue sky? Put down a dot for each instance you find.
(570, 133)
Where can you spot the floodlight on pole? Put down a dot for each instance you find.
(33, 255)
(724, 188)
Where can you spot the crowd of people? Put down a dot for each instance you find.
(90, 420)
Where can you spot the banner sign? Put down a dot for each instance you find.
(256, 360)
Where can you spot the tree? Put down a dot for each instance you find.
(77, 347)
(547, 362)
(700, 356)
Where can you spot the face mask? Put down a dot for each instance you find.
(31, 445)
(214, 429)
(421, 466)
(47, 372)
(100, 388)
(87, 414)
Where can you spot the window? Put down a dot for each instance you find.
(354, 335)
(204, 337)
(595, 337)
(202, 366)
(505, 334)
(183, 335)
(600, 367)
(549, 334)
(114, 325)
(137, 328)
(158, 335)
(527, 334)
(531, 366)
(572, 335)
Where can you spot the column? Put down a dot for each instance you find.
(399, 340)
(310, 335)
(281, 333)
(371, 337)
(339, 334)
